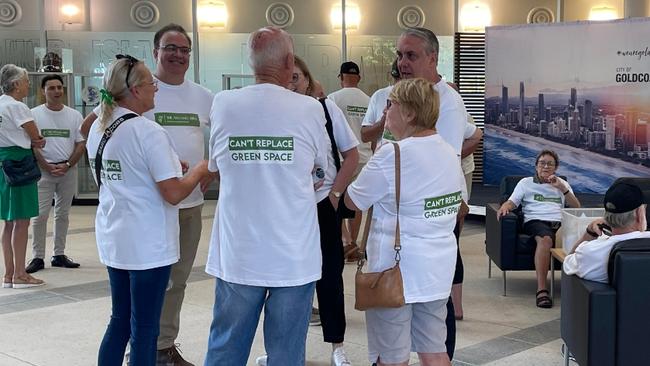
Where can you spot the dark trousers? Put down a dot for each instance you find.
(450, 343)
(137, 299)
(329, 289)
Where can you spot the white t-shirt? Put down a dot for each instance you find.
(452, 117)
(60, 129)
(540, 201)
(14, 114)
(345, 141)
(376, 108)
(184, 111)
(265, 141)
(430, 199)
(354, 103)
(468, 162)
(590, 259)
(135, 227)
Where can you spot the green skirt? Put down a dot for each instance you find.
(17, 203)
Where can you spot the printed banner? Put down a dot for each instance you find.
(580, 89)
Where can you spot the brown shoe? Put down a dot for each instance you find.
(351, 252)
(171, 357)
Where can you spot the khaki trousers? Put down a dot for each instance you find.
(62, 190)
(189, 220)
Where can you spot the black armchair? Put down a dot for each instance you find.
(505, 243)
(607, 324)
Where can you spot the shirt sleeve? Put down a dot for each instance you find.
(20, 113)
(570, 265)
(470, 128)
(161, 159)
(372, 184)
(451, 126)
(371, 113)
(78, 137)
(343, 134)
(518, 193)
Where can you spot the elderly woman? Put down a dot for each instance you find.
(542, 198)
(431, 181)
(18, 134)
(140, 182)
(329, 289)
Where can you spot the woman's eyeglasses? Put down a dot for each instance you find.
(543, 164)
(132, 61)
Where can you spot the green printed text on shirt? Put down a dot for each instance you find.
(447, 204)
(356, 111)
(177, 119)
(541, 198)
(261, 149)
(53, 132)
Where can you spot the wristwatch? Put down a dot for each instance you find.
(336, 194)
(68, 164)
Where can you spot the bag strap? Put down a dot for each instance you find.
(102, 144)
(330, 132)
(366, 229)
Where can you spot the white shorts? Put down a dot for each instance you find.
(394, 333)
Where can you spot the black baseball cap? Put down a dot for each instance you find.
(349, 68)
(623, 197)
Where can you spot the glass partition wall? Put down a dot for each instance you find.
(223, 61)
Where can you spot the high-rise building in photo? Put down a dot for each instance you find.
(610, 134)
(588, 116)
(574, 98)
(504, 100)
(521, 104)
(540, 107)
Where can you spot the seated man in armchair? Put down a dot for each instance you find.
(625, 215)
(542, 198)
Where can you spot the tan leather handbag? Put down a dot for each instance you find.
(380, 289)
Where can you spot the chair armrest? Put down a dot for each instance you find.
(588, 320)
(500, 236)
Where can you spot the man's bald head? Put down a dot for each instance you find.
(269, 48)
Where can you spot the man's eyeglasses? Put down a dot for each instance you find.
(172, 48)
(132, 61)
(543, 164)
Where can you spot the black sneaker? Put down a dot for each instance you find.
(63, 261)
(35, 265)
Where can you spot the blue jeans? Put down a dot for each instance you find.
(237, 311)
(137, 298)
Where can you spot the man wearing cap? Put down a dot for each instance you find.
(625, 214)
(354, 103)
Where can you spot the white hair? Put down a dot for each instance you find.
(273, 52)
(9, 75)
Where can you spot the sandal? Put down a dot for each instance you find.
(7, 282)
(543, 301)
(27, 282)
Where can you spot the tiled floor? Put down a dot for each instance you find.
(62, 323)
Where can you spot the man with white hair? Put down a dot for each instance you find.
(265, 141)
(625, 214)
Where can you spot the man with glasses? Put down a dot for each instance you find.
(182, 107)
(542, 198)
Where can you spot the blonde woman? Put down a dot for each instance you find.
(18, 134)
(431, 181)
(140, 182)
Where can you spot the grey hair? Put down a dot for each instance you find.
(620, 220)
(273, 52)
(429, 38)
(115, 84)
(9, 75)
